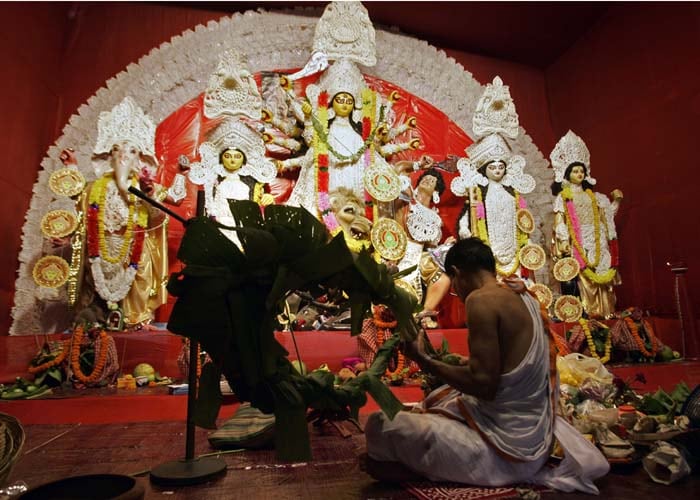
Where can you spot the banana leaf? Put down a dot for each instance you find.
(227, 300)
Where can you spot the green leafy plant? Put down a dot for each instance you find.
(228, 300)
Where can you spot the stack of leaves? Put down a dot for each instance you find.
(228, 300)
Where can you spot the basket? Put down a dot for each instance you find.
(691, 408)
(11, 442)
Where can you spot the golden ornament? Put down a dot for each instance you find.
(525, 220)
(67, 182)
(543, 294)
(566, 269)
(58, 224)
(389, 239)
(51, 271)
(532, 257)
(406, 286)
(382, 183)
(568, 308)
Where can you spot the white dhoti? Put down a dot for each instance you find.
(508, 440)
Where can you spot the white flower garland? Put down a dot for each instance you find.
(116, 288)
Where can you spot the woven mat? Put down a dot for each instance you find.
(455, 491)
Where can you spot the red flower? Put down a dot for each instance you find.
(366, 127)
(323, 99)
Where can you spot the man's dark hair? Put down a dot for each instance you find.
(470, 255)
(439, 179)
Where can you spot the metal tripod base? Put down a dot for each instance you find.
(187, 472)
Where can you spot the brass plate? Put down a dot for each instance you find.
(532, 257)
(58, 224)
(566, 269)
(389, 239)
(51, 271)
(525, 220)
(67, 182)
(382, 183)
(568, 308)
(543, 294)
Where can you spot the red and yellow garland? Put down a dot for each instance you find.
(60, 357)
(96, 242)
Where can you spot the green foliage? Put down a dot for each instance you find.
(228, 301)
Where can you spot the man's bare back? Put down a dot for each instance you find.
(513, 322)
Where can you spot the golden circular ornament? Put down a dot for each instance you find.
(405, 285)
(67, 182)
(532, 257)
(389, 239)
(525, 220)
(543, 294)
(568, 308)
(51, 271)
(58, 223)
(382, 183)
(566, 269)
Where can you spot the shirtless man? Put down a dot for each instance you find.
(493, 423)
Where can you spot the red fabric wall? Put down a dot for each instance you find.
(57, 63)
(630, 89)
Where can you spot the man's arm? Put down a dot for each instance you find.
(481, 375)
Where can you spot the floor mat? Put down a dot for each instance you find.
(454, 491)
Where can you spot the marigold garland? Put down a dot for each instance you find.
(60, 357)
(634, 330)
(383, 332)
(100, 359)
(591, 344)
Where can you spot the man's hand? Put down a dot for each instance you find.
(415, 350)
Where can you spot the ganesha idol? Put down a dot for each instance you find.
(119, 247)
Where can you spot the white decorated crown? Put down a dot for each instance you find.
(232, 90)
(126, 122)
(570, 149)
(341, 76)
(493, 147)
(346, 32)
(235, 134)
(495, 112)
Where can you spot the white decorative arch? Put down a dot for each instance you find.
(178, 70)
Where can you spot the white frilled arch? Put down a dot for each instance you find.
(178, 71)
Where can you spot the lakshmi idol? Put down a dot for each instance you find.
(124, 237)
(493, 182)
(585, 238)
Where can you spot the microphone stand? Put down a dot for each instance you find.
(188, 470)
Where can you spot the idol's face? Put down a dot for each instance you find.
(232, 159)
(495, 171)
(343, 104)
(577, 175)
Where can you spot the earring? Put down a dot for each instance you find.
(436, 197)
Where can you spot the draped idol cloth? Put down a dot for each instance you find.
(457, 437)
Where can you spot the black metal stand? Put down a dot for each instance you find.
(189, 470)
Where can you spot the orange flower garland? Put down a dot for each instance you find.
(54, 362)
(383, 331)
(100, 360)
(638, 339)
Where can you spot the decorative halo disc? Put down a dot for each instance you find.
(389, 238)
(58, 223)
(543, 294)
(566, 269)
(568, 308)
(525, 220)
(532, 257)
(67, 182)
(51, 271)
(382, 183)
